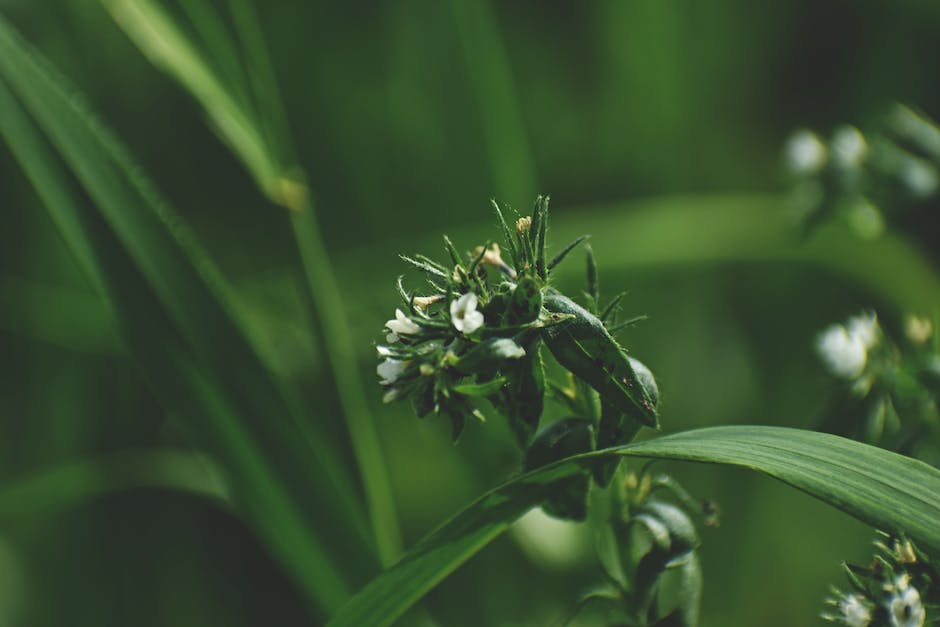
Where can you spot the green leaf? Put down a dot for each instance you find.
(583, 346)
(184, 327)
(561, 439)
(884, 489)
(480, 389)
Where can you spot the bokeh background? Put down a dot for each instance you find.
(655, 125)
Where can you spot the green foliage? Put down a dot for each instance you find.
(387, 125)
(883, 489)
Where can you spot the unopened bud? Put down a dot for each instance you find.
(523, 225)
(426, 301)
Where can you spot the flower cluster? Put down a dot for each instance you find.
(859, 177)
(477, 331)
(844, 348)
(899, 589)
(894, 387)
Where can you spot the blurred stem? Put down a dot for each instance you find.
(328, 302)
(504, 132)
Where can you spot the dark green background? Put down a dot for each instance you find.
(610, 104)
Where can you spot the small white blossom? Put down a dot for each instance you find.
(849, 147)
(920, 178)
(401, 325)
(383, 351)
(464, 314)
(805, 153)
(905, 608)
(844, 353)
(390, 370)
(865, 328)
(855, 613)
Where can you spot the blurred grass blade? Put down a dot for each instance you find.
(49, 491)
(165, 295)
(884, 489)
(166, 44)
(514, 174)
(168, 48)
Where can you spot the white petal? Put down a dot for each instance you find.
(805, 153)
(464, 314)
(844, 354)
(402, 325)
(472, 321)
(865, 328)
(849, 147)
(390, 370)
(854, 611)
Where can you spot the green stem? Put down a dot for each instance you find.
(327, 300)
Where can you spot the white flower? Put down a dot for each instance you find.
(865, 328)
(855, 612)
(920, 178)
(905, 608)
(805, 153)
(844, 353)
(401, 325)
(390, 370)
(464, 314)
(849, 147)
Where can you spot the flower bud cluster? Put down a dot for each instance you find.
(900, 588)
(650, 547)
(860, 176)
(891, 392)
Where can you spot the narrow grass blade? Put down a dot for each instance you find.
(167, 305)
(510, 156)
(884, 489)
(265, 149)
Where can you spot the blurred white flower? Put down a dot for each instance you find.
(920, 178)
(849, 147)
(843, 353)
(805, 153)
(865, 327)
(464, 314)
(389, 370)
(401, 325)
(905, 608)
(855, 612)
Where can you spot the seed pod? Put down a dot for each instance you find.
(525, 302)
(561, 439)
(583, 346)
